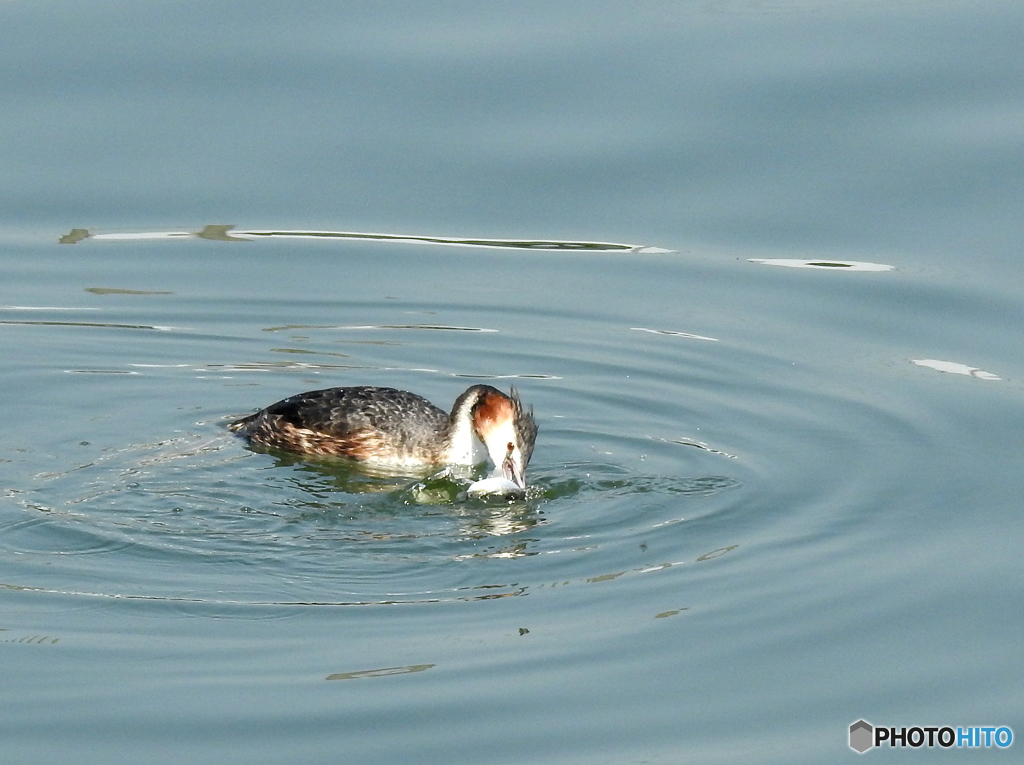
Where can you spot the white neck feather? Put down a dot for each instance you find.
(464, 447)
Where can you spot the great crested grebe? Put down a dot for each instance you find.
(385, 427)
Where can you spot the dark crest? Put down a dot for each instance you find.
(524, 424)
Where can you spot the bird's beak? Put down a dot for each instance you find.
(512, 472)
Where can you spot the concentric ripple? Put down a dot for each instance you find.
(663, 443)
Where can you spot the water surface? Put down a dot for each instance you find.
(753, 264)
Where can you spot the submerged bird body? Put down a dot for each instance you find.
(389, 428)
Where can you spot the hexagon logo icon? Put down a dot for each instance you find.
(861, 736)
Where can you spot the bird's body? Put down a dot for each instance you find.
(390, 428)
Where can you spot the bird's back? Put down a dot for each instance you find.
(382, 425)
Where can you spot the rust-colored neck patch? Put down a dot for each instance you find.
(491, 410)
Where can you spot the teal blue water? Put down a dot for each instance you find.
(767, 501)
